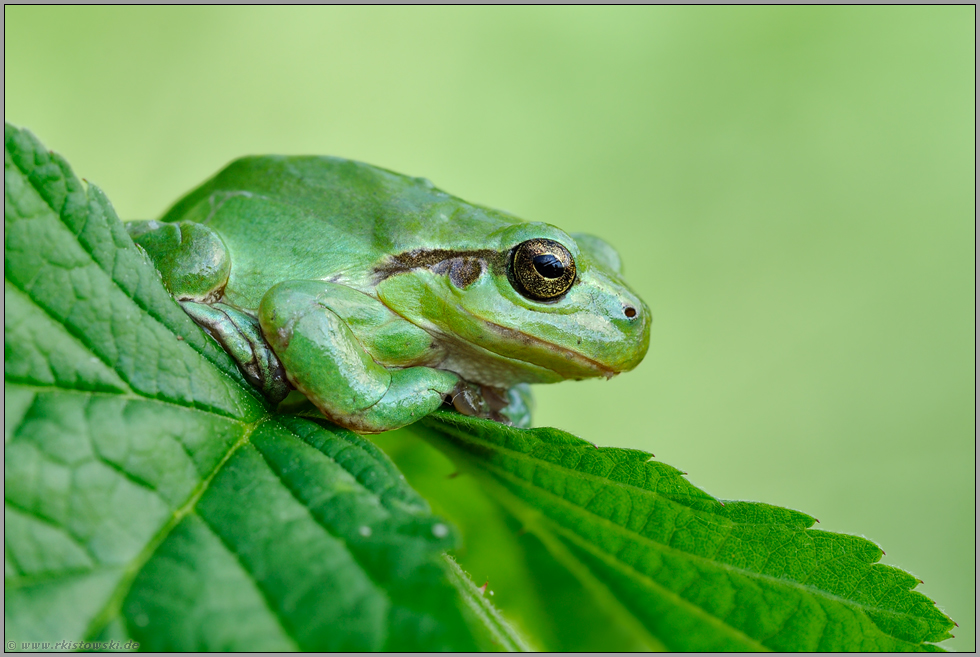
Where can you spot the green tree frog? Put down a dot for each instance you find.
(380, 297)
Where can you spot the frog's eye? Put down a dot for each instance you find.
(542, 269)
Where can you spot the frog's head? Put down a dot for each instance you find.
(533, 304)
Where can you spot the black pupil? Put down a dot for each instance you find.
(548, 265)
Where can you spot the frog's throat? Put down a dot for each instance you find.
(513, 336)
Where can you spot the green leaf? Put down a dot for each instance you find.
(539, 596)
(691, 572)
(151, 495)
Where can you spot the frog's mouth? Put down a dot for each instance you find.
(578, 362)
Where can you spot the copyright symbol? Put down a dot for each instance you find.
(11, 645)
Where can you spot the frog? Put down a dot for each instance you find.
(378, 297)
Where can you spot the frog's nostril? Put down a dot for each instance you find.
(630, 312)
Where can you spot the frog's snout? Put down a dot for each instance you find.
(632, 319)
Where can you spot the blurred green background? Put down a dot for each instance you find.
(792, 191)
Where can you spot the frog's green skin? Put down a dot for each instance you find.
(378, 295)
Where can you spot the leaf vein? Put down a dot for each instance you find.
(33, 579)
(295, 495)
(263, 593)
(70, 331)
(119, 395)
(138, 302)
(51, 522)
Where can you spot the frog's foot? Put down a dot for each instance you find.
(511, 407)
(241, 336)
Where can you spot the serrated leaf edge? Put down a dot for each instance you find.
(516, 507)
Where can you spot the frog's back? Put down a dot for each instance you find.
(325, 218)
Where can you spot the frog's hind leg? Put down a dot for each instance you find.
(191, 258)
(194, 266)
(240, 335)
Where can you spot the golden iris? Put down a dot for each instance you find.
(542, 269)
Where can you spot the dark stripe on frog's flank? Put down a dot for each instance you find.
(464, 267)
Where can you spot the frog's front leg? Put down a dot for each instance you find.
(308, 325)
